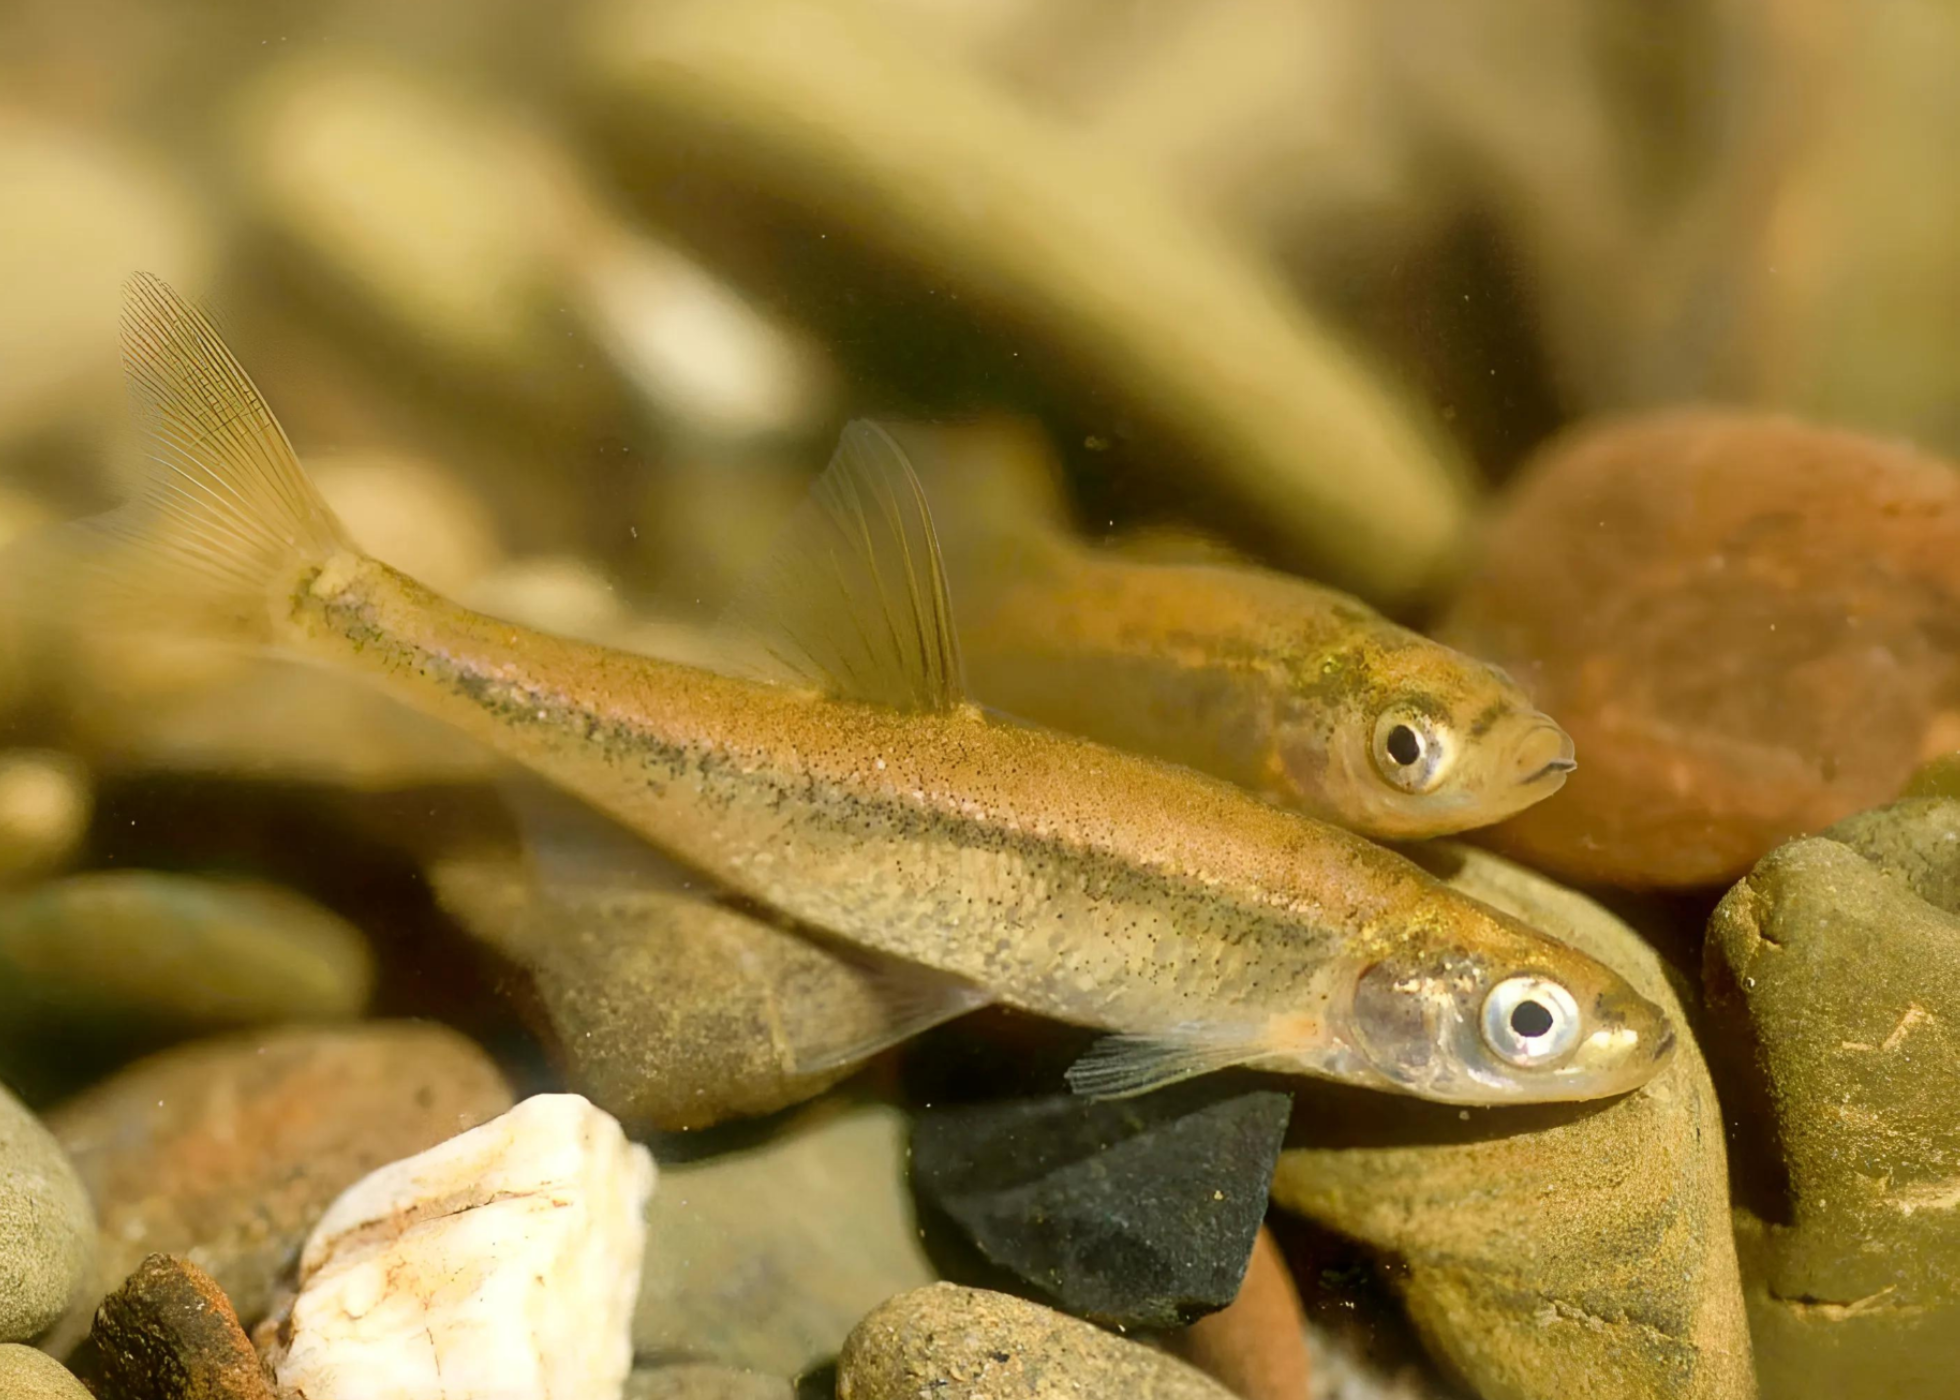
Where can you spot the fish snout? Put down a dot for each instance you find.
(1544, 755)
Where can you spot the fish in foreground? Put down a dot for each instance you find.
(862, 795)
(1299, 693)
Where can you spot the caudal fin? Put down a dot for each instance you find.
(224, 516)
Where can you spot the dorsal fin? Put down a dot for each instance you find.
(854, 599)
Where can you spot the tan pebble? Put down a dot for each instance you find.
(228, 1151)
(410, 513)
(1257, 1346)
(958, 1343)
(27, 1373)
(45, 804)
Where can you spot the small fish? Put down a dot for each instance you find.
(1293, 691)
(859, 793)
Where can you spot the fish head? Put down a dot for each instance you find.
(1512, 1017)
(1413, 739)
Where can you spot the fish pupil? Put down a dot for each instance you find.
(1403, 745)
(1530, 1019)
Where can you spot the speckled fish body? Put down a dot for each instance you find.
(1206, 927)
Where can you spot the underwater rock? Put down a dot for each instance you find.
(499, 1265)
(1256, 1347)
(47, 1231)
(96, 966)
(228, 1151)
(1833, 975)
(412, 514)
(956, 1343)
(688, 1382)
(45, 805)
(669, 1010)
(559, 593)
(765, 1258)
(1550, 1250)
(81, 214)
(1747, 625)
(169, 1334)
(835, 115)
(1136, 1213)
(27, 1373)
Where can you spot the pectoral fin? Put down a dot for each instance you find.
(854, 601)
(915, 1000)
(1121, 1066)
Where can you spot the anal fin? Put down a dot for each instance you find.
(1122, 1066)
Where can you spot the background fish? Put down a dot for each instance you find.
(1297, 692)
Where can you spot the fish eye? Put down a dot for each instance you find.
(1530, 1021)
(1412, 751)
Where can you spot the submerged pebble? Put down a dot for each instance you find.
(47, 1231)
(1833, 976)
(499, 1265)
(45, 805)
(100, 964)
(27, 1373)
(1137, 1213)
(670, 1010)
(957, 1343)
(765, 1258)
(228, 1151)
(1550, 1251)
(169, 1333)
(1746, 623)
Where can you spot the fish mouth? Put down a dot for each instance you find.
(1545, 753)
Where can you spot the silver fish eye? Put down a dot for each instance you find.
(1412, 751)
(1530, 1021)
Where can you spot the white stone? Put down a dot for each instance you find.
(499, 1265)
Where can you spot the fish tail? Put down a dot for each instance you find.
(224, 521)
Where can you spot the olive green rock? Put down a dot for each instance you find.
(954, 1343)
(27, 1374)
(766, 1258)
(1833, 976)
(47, 1229)
(100, 966)
(1555, 1250)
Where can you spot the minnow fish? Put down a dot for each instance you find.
(860, 793)
(1297, 692)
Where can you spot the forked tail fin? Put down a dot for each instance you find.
(224, 515)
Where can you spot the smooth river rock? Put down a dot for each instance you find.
(228, 1151)
(27, 1373)
(47, 1232)
(1550, 1251)
(1833, 977)
(765, 1258)
(954, 1343)
(1749, 625)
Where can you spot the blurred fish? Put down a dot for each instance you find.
(1299, 693)
(861, 795)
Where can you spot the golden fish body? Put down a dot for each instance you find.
(1206, 927)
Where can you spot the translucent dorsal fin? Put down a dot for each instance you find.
(854, 600)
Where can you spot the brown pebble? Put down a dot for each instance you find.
(956, 1343)
(227, 1151)
(1258, 1345)
(169, 1333)
(1750, 627)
